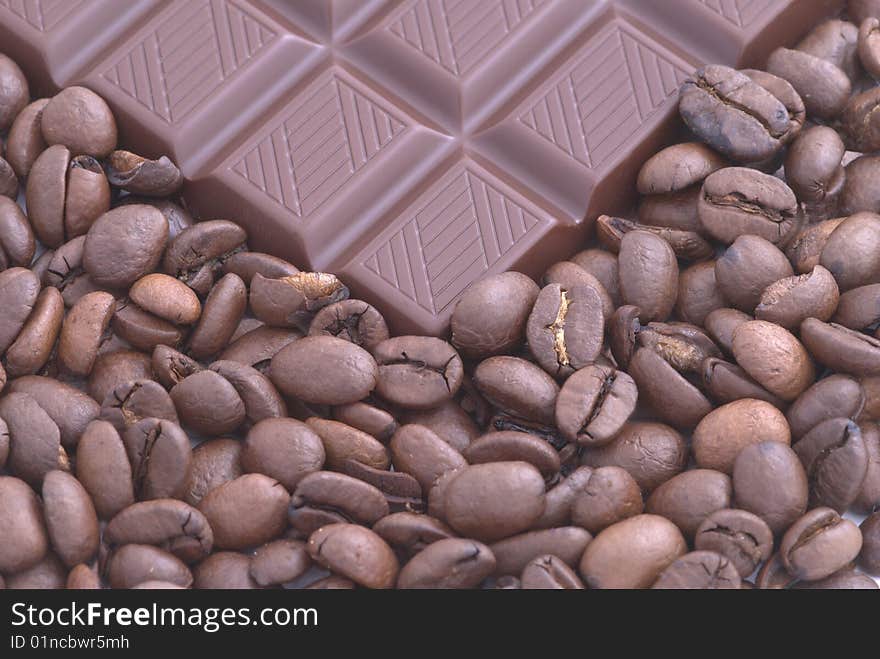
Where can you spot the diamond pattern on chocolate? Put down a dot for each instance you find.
(319, 145)
(455, 232)
(458, 34)
(739, 12)
(596, 102)
(42, 15)
(190, 54)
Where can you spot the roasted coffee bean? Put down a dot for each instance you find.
(14, 95)
(196, 254)
(849, 253)
(33, 347)
(329, 371)
(559, 500)
(859, 194)
(490, 318)
(652, 453)
(822, 85)
(142, 176)
(34, 439)
(869, 496)
(594, 403)
(677, 168)
(225, 570)
(788, 302)
(246, 512)
(136, 400)
(517, 387)
(84, 331)
(631, 553)
(171, 366)
(346, 498)
(26, 540)
(514, 553)
(130, 565)
(834, 396)
(260, 397)
(71, 409)
(773, 575)
(81, 120)
(420, 452)
(401, 491)
(834, 41)
(687, 245)
(103, 468)
(279, 562)
(727, 382)
(688, 498)
(569, 275)
(19, 289)
(549, 572)
(841, 349)
(703, 570)
(355, 552)
(845, 579)
(722, 323)
(124, 244)
(247, 264)
(836, 462)
(774, 358)
(728, 429)
(160, 455)
(25, 139)
(342, 442)
(859, 308)
(670, 395)
(648, 275)
(449, 563)
(376, 421)
(66, 273)
(674, 210)
(805, 250)
(510, 446)
(258, 346)
(71, 519)
(417, 372)
(813, 165)
(169, 524)
(747, 267)
(352, 320)
(276, 302)
(818, 544)
(683, 346)
(166, 297)
(609, 496)
(17, 242)
(742, 537)
(208, 404)
(698, 293)
(735, 116)
(737, 201)
(214, 462)
(603, 266)
(869, 557)
(285, 449)
(409, 533)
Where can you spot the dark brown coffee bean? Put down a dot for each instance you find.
(66, 273)
(493, 501)
(45, 195)
(370, 419)
(418, 451)
(674, 210)
(740, 536)
(631, 553)
(246, 512)
(417, 372)
(103, 468)
(859, 308)
(15, 92)
(869, 496)
(25, 139)
(221, 314)
(774, 358)
(285, 449)
(849, 251)
(672, 397)
(677, 167)
(333, 582)
(735, 116)
(87, 196)
(124, 244)
(279, 562)
(33, 347)
(822, 85)
(16, 237)
(737, 201)
(160, 455)
(859, 194)
(836, 462)
(682, 346)
(652, 453)
(21, 523)
(698, 293)
(139, 175)
(198, 251)
(214, 462)
(747, 267)
(722, 323)
(688, 498)
(325, 370)
(247, 264)
(514, 553)
(409, 533)
(727, 382)
(648, 274)
(257, 346)
(130, 565)
(136, 400)
(622, 329)
(549, 572)
(355, 552)
(773, 575)
(19, 289)
(841, 349)
(806, 249)
(83, 332)
(260, 397)
(703, 570)
(171, 366)
(603, 266)
(224, 570)
(342, 442)
(208, 404)
(351, 499)
(276, 302)
(351, 320)
(869, 557)
(490, 318)
(34, 440)
(727, 430)
(687, 245)
(818, 544)
(594, 403)
(789, 301)
(169, 524)
(70, 518)
(449, 563)
(812, 164)
(569, 275)
(517, 387)
(509, 446)
(609, 495)
(834, 396)
(81, 120)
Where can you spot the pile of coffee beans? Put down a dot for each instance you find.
(691, 402)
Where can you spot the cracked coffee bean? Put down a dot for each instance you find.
(417, 372)
(594, 403)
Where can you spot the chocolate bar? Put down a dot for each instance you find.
(411, 147)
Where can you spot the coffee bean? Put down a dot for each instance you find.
(678, 167)
(726, 382)
(698, 293)
(686, 244)
(594, 403)
(805, 250)
(490, 318)
(25, 139)
(160, 455)
(166, 297)
(569, 275)
(515, 553)
(869, 496)
(722, 323)
(869, 46)
(214, 462)
(81, 120)
(448, 563)
(276, 302)
(774, 358)
(34, 439)
(688, 498)
(170, 366)
(747, 267)
(848, 254)
(674, 210)
(813, 165)
(19, 289)
(845, 579)
(648, 274)
(260, 397)
(818, 544)
(169, 524)
(510, 446)
(258, 346)
(196, 255)
(279, 562)
(671, 396)
(15, 92)
(836, 462)
(822, 85)
(246, 264)
(142, 176)
(103, 468)
(548, 572)
(841, 349)
(559, 501)
(791, 300)
(409, 533)
(417, 372)
(342, 442)
(355, 552)
(136, 400)
(735, 116)
(773, 575)
(208, 404)
(859, 194)
(704, 570)
(124, 244)
(737, 201)
(26, 540)
(224, 570)
(83, 332)
(603, 266)
(351, 499)
(834, 41)
(858, 308)
(738, 535)
(418, 451)
(869, 557)
(246, 512)
(71, 519)
(351, 320)
(374, 420)
(8, 182)
(631, 553)
(834, 396)
(130, 565)
(33, 347)
(16, 237)
(517, 387)
(609, 496)
(48, 574)
(82, 577)
(728, 429)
